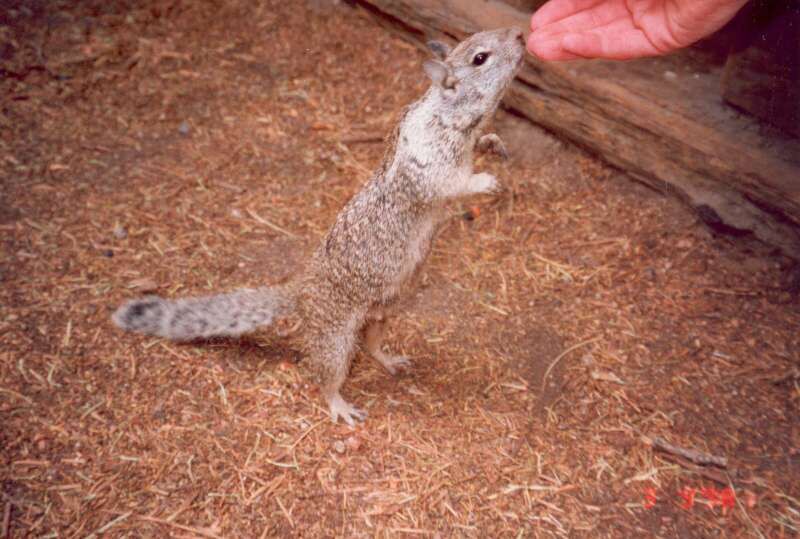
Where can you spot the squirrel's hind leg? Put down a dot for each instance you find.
(331, 355)
(373, 339)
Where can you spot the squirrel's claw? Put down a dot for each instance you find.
(493, 143)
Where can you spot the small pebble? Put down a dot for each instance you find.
(338, 446)
(670, 75)
(472, 214)
(353, 443)
(236, 213)
(120, 233)
(108, 253)
(184, 128)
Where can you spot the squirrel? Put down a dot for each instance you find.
(371, 257)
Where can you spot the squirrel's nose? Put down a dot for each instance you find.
(516, 33)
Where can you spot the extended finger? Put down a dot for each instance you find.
(547, 43)
(610, 43)
(555, 10)
(550, 49)
(588, 19)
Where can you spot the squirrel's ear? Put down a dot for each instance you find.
(439, 49)
(439, 73)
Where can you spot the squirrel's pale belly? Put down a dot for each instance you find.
(418, 248)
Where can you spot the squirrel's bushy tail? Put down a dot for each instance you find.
(185, 319)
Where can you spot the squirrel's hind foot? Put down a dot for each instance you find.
(373, 339)
(393, 364)
(340, 407)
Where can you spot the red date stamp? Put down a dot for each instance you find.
(711, 497)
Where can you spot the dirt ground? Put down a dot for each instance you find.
(183, 147)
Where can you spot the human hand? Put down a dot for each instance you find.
(624, 29)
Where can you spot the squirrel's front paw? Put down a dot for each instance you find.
(493, 143)
(484, 183)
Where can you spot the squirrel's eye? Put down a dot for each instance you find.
(480, 58)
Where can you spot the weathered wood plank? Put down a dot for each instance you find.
(716, 160)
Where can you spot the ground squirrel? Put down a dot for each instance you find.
(370, 258)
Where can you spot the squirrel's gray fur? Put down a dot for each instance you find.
(372, 254)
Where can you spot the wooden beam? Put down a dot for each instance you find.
(674, 135)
